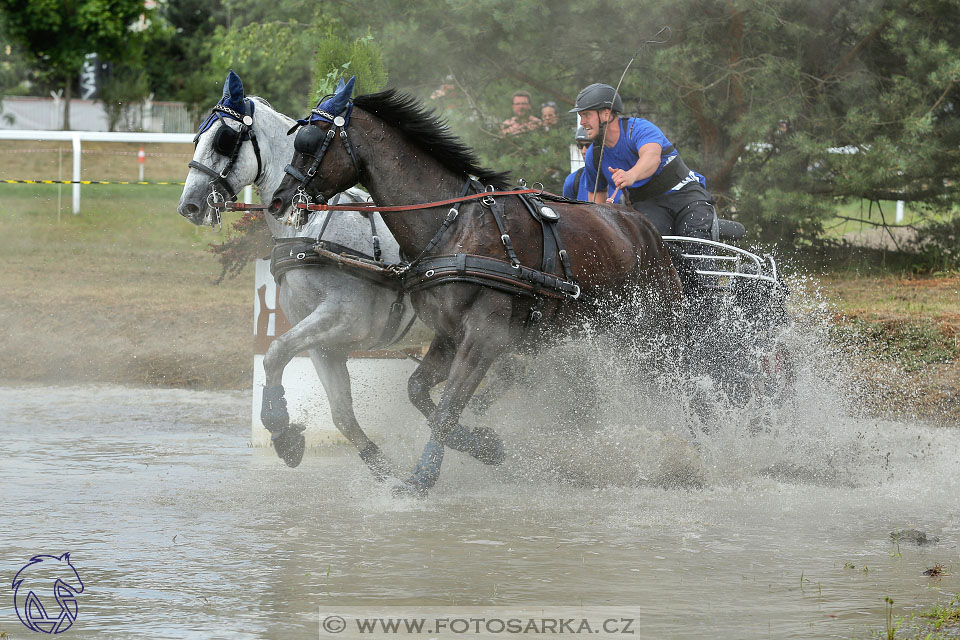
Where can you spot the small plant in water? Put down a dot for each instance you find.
(849, 565)
(935, 571)
(947, 617)
(891, 626)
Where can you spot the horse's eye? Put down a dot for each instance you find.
(308, 139)
(225, 140)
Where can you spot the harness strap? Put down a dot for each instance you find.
(391, 334)
(488, 272)
(298, 253)
(327, 139)
(296, 173)
(373, 232)
(346, 144)
(256, 152)
(216, 179)
(451, 216)
(496, 208)
(672, 174)
(548, 261)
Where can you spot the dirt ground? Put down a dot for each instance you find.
(908, 329)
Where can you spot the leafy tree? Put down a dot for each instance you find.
(787, 106)
(179, 40)
(125, 86)
(339, 57)
(272, 58)
(57, 34)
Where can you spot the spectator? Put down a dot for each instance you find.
(522, 119)
(548, 115)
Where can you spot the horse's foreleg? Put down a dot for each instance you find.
(473, 358)
(481, 443)
(332, 369)
(288, 441)
(502, 377)
(432, 370)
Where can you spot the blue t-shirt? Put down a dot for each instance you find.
(634, 133)
(574, 188)
(581, 191)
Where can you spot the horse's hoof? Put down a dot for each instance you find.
(290, 445)
(407, 489)
(376, 462)
(489, 447)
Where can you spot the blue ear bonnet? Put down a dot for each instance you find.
(329, 107)
(233, 104)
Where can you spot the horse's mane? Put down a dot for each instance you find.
(264, 101)
(422, 128)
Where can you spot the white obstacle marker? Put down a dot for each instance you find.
(379, 379)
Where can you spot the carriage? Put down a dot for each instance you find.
(526, 265)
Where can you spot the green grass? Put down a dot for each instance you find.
(940, 622)
(142, 217)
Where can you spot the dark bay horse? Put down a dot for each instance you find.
(402, 154)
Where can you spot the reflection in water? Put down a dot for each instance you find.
(178, 529)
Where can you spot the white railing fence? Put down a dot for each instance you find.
(78, 137)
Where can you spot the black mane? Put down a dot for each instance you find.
(423, 128)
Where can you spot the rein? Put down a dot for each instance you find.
(369, 206)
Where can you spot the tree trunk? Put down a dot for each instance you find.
(67, 91)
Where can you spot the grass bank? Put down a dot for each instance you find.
(120, 293)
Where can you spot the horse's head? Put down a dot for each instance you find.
(226, 157)
(322, 165)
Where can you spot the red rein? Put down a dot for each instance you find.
(369, 206)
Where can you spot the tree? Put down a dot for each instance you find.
(787, 106)
(57, 34)
(178, 42)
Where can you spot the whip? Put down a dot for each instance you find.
(616, 92)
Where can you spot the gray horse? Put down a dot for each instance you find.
(333, 311)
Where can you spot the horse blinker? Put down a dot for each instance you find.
(225, 140)
(308, 139)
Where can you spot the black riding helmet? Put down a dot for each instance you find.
(582, 136)
(598, 96)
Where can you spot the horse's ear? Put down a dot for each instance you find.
(348, 87)
(233, 91)
(336, 103)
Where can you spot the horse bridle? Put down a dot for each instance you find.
(307, 142)
(227, 141)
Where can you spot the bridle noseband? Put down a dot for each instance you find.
(227, 142)
(304, 144)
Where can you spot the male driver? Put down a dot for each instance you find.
(522, 120)
(637, 158)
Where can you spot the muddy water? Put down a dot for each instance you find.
(179, 530)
